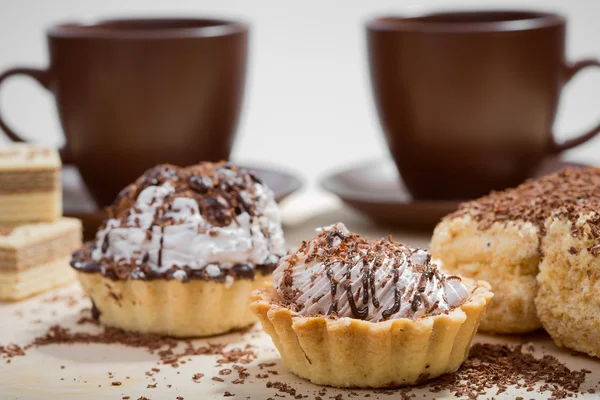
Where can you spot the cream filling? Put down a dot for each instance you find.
(316, 295)
(191, 241)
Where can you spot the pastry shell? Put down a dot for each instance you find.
(348, 352)
(171, 307)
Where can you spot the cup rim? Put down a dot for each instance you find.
(180, 27)
(523, 20)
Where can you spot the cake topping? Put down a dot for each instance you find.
(340, 273)
(210, 220)
(569, 192)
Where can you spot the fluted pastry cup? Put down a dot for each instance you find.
(170, 307)
(348, 352)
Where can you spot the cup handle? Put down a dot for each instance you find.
(43, 77)
(570, 72)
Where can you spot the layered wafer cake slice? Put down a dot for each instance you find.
(35, 257)
(30, 187)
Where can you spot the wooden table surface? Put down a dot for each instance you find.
(39, 375)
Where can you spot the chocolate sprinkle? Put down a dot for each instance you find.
(222, 192)
(567, 194)
(170, 351)
(334, 248)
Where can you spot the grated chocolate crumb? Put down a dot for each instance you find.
(503, 366)
(196, 377)
(567, 193)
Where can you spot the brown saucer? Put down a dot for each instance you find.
(375, 189)
(78, 203)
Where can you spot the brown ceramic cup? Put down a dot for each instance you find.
(135, 93)
(467, 100)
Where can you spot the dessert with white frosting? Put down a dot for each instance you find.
(347, 311)
(206, 235)
(374, 281)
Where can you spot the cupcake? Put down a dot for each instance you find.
(181, 251)
(348, 312)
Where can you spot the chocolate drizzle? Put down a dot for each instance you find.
(569, 194)
(360, 313)
(160, 247)
(105, 244)
(333, 309)
(334, 234)
(200, 184)
(365, 285)
(373, 291)
(183, 201)
(416, 303)
(332, 281)
(369, 274)
(396, 307)
(221, 190)
(333, 291)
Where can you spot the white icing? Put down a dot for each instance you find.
(213, 271)
(316, 297)
(180, 274)
(189, 242)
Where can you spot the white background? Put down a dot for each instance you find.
(308, 105)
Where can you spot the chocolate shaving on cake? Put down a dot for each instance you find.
(220, 193)
(222, 190)
(357, 271)
(569, 193)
